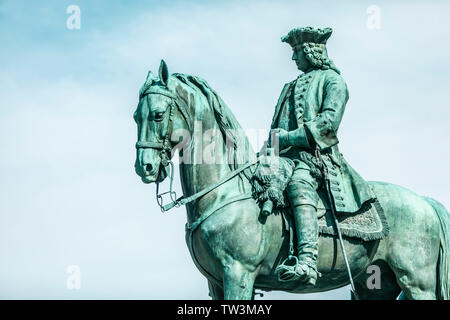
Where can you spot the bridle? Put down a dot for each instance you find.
(164, 148)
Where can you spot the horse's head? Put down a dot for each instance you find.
(155, 121)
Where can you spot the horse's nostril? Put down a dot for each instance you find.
(148, 167)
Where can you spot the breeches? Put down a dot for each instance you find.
(302, 188)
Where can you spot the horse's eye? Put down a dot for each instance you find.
(159, 116)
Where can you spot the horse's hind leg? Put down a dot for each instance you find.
(377, 283)
(215, 291)
(238, 281)
(419, 284)
(415, 266)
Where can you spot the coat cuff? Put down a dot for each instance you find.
(322, 132)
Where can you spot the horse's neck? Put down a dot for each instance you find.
(203, 172)
(207, 165)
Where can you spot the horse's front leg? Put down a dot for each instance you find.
(238, 281)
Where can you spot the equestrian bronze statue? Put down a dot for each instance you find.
(296, 216)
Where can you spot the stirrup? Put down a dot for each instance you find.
(287, 272)
(284, 266)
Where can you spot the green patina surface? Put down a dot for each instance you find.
(231, 241)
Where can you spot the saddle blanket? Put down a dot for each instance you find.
(368, 223)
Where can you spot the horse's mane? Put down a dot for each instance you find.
(227, 123)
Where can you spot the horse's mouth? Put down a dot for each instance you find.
(148, 179)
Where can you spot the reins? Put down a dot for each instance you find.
(184, 200)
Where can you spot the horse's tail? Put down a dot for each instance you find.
(443, 290)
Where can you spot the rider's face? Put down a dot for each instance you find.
(300, 58)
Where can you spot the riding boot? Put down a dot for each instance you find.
(307, 230)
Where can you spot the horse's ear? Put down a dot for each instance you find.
(163, 72)
(150, 77)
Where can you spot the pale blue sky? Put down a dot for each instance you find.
(68, 192)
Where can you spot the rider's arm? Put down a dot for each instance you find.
(322, 129)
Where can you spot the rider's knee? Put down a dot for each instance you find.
(302, 194)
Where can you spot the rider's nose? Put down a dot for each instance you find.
(148, 167)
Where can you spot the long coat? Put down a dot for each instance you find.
(311, 109)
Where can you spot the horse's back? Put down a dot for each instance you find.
(402, 205)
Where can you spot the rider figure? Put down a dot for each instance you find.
(307, 116)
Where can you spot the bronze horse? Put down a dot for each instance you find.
(234, 248)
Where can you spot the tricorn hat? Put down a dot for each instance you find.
(307, 34)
